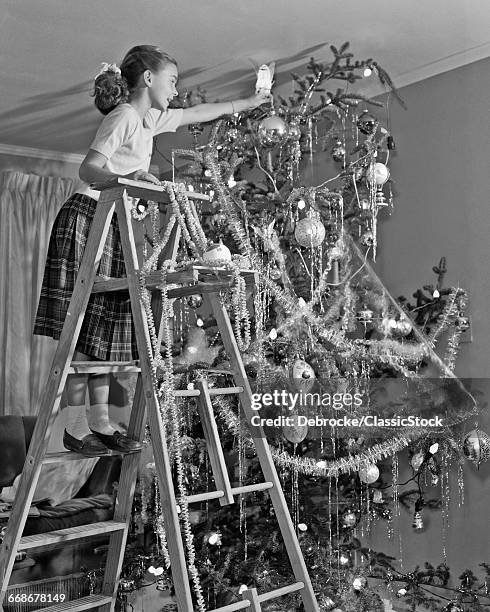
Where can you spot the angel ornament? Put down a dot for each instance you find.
(265, 77)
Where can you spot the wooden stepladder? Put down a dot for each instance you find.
(194, 279)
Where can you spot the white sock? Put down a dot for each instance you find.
(98, 419)
(76, 421)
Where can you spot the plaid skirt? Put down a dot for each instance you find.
(107, 331)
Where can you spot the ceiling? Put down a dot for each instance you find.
(50, 49)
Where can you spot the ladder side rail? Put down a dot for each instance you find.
(215, 450)
(159, 441)
(51, 397)
(263, 452)
(124, 499)
(252, 596)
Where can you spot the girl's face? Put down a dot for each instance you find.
(162, 86)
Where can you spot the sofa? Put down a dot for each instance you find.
(93, 502)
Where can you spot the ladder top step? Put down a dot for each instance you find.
(187, 276)
(154, 279)
(147, 191)
(39, 540)
(77, 605)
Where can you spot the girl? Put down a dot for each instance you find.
(135, 99)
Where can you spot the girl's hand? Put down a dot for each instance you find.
(260, 98)
(141, 175)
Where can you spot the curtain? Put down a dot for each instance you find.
(28, 207)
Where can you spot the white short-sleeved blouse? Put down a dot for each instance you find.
(127, 140)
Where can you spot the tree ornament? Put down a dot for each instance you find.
(369, 473)
(462, 322)
(418, 521)
(338, 151)
(403, 327)
(195, 301)
(302, 375)
(232, 134)
(359, 583)
(294, 132)
(127, 585)
(367, 239)
(344, 559)
(273, 334)
(476, 446)
(365, 315)
(327, 603)
(214, 539)
(349, 519)
(377, 496)
(272, 131)
(217, 252)
(366, 123)
(309, 232)
(294, 433)
(401, 592)
(275, 274)
(453, 606)
(417, 460)
(377, 173)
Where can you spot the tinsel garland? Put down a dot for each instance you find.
(170, 411)
(306, 465)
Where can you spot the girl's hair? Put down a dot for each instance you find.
(112, 88)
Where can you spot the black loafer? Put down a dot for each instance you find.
(89, 445)
(119, 442)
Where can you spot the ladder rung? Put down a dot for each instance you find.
(289, 588)
(71, 456)
(199, 497)
(225, 390)
(242, 605)
(77, 605)
(238, 605)
(103, 367)
(212, 391)
(72, 533)
(259, 486)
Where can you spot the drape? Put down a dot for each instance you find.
(28, 207)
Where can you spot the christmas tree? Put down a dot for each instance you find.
(320, 326)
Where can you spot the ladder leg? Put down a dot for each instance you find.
(162, 460)
(263, 452)
(54, 385)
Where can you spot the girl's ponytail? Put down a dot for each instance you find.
(110, 89)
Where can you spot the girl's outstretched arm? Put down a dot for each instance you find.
(208, 112)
